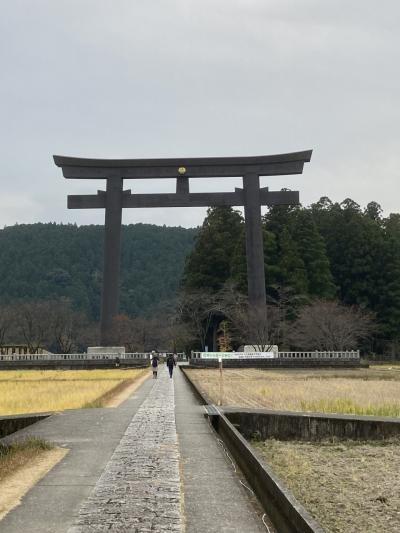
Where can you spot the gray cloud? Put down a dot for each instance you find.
(134, 78)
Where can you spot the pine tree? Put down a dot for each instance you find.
(388, 307)
(292, 272)
(354, 244)
(312, 251)
(238, 273)
(209, 264)
(239, 266)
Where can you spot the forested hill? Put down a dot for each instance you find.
(49, 261)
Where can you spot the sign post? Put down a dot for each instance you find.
(221, 383)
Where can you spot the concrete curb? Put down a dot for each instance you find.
(12, 423)
(287, 425)
(286, 513)
(201, 396)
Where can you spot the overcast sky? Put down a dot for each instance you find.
(172, 78)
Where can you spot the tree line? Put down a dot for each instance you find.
(332, 279)
(56, 326)
(329, 267)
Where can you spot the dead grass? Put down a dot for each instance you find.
(16, 455)
(22, 465)
(31, 391)
(346, 486)
(373, 391)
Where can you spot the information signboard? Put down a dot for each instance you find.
(236, 355)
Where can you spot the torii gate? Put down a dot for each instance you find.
(252, 197)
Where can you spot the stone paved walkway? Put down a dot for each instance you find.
(139, 491)
(91, 435)
(152, 464)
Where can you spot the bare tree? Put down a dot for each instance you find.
(259, 327)
(133, 333)
(177, 336)
(196, 310)
(6, 323)
(88, 335)
(65, 325)
(328, 325)
(33, 323)
(52, 324)
(283, 304)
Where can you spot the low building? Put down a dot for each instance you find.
(10, 349)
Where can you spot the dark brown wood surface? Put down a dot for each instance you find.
(201, 167)
(251, 196)
(98, 201)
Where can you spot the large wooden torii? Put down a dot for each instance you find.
(114, 199)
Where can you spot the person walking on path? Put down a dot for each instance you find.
(154, 363)
(171, 363)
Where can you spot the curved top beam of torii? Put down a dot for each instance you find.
(197, 167)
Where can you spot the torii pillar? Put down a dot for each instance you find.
(111, 259)
(254, 241)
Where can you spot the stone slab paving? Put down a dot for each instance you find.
(139, 490)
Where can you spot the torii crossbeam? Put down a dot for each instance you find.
(114, 199)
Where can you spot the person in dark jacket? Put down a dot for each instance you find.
(171, 363)
(154, 364)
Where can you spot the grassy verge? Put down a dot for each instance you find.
(18, 454)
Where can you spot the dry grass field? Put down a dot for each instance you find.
(372, 391)
(31, 391)
(347, 486)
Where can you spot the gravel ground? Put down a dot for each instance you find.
(347, 486)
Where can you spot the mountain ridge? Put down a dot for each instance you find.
(44, 261)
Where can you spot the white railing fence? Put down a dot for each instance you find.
(145, 356)
(353, 354)
(316, 355)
